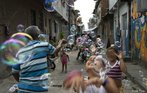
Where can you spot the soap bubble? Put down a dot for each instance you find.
(43, 37)
(8, 51)
(71, 41)
(93, 22)
(20, 28)
(79, 21)
(70, 3)
(23, 37)
(48, 5)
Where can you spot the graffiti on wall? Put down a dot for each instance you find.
(139, 32)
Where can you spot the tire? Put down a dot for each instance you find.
(51, 64)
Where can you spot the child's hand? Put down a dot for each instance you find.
(90, 62)
(63, 41)
(74, 80)
(120, 55)
(91, 59)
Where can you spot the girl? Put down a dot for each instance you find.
(64, 59)
(117, 66)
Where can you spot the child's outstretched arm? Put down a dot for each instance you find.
(122, 63)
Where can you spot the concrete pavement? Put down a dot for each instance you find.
(58, 77)
(137, 74)
(129, 86)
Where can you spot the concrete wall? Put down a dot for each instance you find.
(121, 34)
(115, 22)
(124, 10)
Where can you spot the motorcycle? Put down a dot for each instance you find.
(51, 64)
(84, 54)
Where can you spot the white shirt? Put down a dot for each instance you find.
(94, 89)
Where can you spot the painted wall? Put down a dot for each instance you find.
(139, 32)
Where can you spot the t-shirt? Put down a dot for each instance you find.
(64, 58)
(33, 71)
(115, 71)
(94, 89)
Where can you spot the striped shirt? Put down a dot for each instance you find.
(33, 67)
(115, 71)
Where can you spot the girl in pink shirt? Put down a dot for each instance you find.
(64, 59)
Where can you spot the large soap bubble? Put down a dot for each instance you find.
(70, 3)
(23, 37)
(71, 39)
(92, 22)
(79, 21)
(73, 30)
(48, 5)
(8, 51)
(43, 37)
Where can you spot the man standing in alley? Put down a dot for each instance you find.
(33, 71)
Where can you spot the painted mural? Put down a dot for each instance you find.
(139, 32)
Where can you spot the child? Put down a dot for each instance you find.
(64, 59)
(95, 83)
(96, 69)
(117, 66)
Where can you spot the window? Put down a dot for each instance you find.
(124, 20)
(33, 17)
(41, 24)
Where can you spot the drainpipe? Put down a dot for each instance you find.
(69, 17)
(130, 32)
(118, 16)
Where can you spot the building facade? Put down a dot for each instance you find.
(128, 25)
(104, 21)
(32, 12)
(120, 10)
(113, 24)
